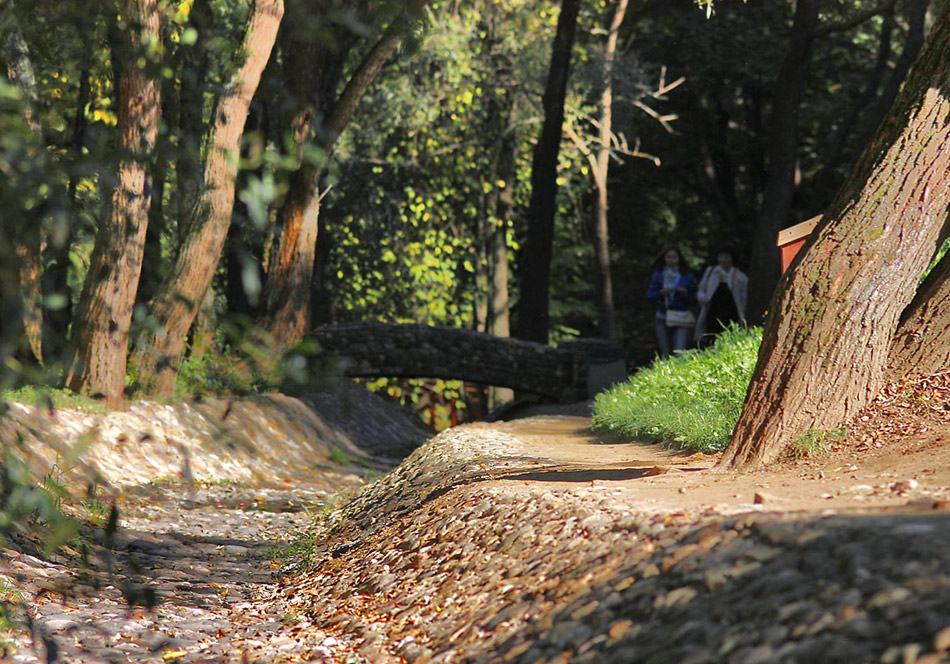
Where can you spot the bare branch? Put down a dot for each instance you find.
(664, 120)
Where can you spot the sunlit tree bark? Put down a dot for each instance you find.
(101, 325)
(176, 305)
(290, 271)
(828, 337)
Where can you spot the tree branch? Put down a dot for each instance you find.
(856, 20)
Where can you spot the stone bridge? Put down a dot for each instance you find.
(564, 373)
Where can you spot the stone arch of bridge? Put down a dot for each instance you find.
(373, 349)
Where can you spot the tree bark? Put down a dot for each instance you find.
(534, 305)
(765, 267)
(601, 164)
(290, 271)
(829, 332)
(175, 307)
(920, 344)
(101, 327)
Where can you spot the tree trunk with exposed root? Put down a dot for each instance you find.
(829, 336)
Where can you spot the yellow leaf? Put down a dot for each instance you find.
(170, 655)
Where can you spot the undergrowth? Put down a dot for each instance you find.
(51, 399)
(692, 399)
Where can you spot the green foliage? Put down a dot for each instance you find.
(439, 403)
(26, 502)
(297, 554)
(49, 398)
(692, 399)
(241, 362)
(339, 457)
(413, 202)
(941, 252)
(814, 442)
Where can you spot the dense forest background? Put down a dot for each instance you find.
(189, 188)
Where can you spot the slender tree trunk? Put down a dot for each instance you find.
(101, 327)
(290, 270)
(827, 340)
(534, 306)
(605, 289)
(175, 307)
(498, 312)
(27, 239)
(783, 156)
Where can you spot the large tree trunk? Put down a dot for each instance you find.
(605, 289)
(783, 157)
(290, 270)
(175, 307)
(534, 305)
(828, 335)
(101, 327)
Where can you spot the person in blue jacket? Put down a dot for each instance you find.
(673, 290)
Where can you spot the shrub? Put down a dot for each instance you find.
(692, 399)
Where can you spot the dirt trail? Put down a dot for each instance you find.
(656, 475)
(532, 540)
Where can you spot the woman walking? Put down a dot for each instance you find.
(722, 296)
(672, 289)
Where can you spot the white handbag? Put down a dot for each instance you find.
(680, 318)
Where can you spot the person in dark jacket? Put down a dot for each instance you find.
(722, 295)
(673, 290)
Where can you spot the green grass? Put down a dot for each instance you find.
(44, 397)
(816, 443)
(692, 399)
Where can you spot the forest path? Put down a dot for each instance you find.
(192, 566)
(662, 476)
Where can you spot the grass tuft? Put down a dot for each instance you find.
(692, 399)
